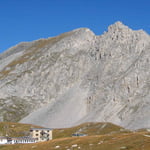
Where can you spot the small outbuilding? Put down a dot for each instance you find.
(79, 134)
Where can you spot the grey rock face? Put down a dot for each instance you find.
(78, 77)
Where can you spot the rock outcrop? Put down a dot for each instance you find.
(78, 77)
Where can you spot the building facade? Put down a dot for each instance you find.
(41, 134)
(23, 140)
(17, 140)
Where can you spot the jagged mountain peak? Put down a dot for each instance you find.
(118, 32)
(118, 25)
(119, 28)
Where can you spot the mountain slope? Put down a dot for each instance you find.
(78, 77)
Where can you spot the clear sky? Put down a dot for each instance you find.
(27, 20)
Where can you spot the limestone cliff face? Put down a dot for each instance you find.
(78, 77)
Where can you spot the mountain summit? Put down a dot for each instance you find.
(78, 77)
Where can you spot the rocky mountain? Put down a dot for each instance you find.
(78, 77)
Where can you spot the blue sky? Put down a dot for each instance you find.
(27, 20)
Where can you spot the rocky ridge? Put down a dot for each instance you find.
(78, 77)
